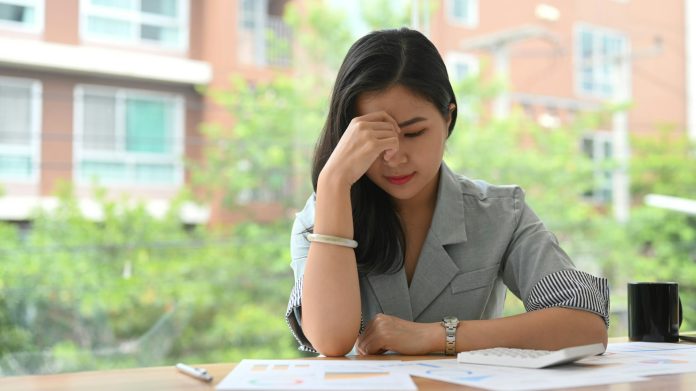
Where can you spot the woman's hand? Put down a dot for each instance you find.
(365, 139)
(386, 332)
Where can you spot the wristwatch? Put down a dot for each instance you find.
(450, 323)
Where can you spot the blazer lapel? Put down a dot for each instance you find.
(435, 267)
(392, 294)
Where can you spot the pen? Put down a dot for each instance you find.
(198, 373)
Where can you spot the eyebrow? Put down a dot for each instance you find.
(411, 121)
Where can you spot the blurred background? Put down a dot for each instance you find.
(153, 154)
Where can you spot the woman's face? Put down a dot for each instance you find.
(411, 175)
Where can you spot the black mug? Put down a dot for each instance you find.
(654, 311)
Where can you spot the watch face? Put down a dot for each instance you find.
(450, 320)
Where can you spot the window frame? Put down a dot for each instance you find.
(473, 8)
(623, 70)
(600, 181)
(33, 150)
(261, 52)
(87, 9)
(37, 27)
(129, 159)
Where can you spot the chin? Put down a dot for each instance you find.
(400, 192)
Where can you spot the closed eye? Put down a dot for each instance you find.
(414, 134)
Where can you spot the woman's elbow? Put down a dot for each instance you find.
(333, 348)
(603, 335)
(597, 329)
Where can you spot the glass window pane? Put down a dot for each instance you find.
(154, 173)
(122, 4)
(608, 150)
(588, 147)
(111, 28)
(99, 123)
(159, 34)
(103, 171)
(123, 20)
(160, 7)
(248, 14)
(586, 44)
(150, 32)
(459, 9)
(15, 115)
(17, 13)
(15, 167)
(148, 126)
(461, 71)
(170, 35)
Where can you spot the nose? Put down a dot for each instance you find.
(399, 158)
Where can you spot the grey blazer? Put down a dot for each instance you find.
(482, 239)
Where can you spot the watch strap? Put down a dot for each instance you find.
(450, 325)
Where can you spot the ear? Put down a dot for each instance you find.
(451, 109)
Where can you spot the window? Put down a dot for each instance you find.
(462, 66)
(162, 23)
(601, 63)
(20, 122)
(464, 12)
(264, 38)
(22, 14)
(598, 147)
(128, 137)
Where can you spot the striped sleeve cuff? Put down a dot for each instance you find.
(571, 289)
(293, 317)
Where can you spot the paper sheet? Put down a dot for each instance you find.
(507, 378)
(314, 375)
(622, 363)
(647, 358)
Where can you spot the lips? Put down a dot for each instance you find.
(400, 180)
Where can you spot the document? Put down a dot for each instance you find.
(315, 375)
(507, 378)
(647, 358)
(622, 363)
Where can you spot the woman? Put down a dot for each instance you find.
(394, 252)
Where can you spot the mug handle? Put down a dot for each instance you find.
(681, 313)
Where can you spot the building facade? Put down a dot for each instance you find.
(106, 89)
(95, 90)
(562, 57)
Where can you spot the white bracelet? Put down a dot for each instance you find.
(336, 240)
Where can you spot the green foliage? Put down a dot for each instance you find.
(325, 37)
(257, 158)
(135, 290)
(381, 14)
(664, 163)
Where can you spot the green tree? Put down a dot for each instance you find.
(664, 163)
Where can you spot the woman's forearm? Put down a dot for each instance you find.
(330, 292)
(547, 329)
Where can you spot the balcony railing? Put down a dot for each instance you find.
(270, 45)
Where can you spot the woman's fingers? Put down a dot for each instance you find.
(366, 138)
(379, 116)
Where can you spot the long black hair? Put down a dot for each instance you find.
(374, 63)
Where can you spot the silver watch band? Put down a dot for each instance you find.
(450, 323)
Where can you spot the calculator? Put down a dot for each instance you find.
(529, 358)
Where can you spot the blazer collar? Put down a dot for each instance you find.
(448, 218)
(435, 267)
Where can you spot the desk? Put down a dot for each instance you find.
(168, 378)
